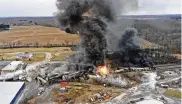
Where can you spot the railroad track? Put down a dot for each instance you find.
(168, 67)
(164, 65)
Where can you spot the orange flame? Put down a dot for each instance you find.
(103, 70)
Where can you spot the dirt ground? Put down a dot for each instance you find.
(81, 93)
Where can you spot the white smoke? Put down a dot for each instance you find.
(150, 80)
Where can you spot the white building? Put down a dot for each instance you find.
(10, 92)
(25, 55)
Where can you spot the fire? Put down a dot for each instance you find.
(87, 13)
(103, 70)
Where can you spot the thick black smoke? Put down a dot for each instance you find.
(92, 27)
(71, 11)
(128, 40)
(129, 52)
(90, 19)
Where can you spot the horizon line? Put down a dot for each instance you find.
(117, 16)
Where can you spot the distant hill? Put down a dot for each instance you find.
(28, 21)
(50, 21)
(166, 16)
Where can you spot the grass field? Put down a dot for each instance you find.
(62, 55)
(58, 53)
(38, 57)
(173, 93)
(40, 34)
(7, 57)
(11, 57)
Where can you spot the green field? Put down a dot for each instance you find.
(58, 53)
(173, 93)
(60, 56)
(12, 57)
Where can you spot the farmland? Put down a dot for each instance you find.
(40, 35)
(36, 34)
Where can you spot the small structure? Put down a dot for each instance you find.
(4, 27)
(10, 92)
(25, 55)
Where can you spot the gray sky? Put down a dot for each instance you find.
(158, 7)
(9, 8)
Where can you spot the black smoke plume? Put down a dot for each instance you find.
(92, 27)
(91, 19)
(129, 52)
(128, 40)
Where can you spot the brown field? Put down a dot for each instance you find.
(40, 34)
(43, 35)
(51, 50)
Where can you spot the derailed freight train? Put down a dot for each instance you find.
(74, 72)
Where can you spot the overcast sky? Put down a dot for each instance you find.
(10, 8)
